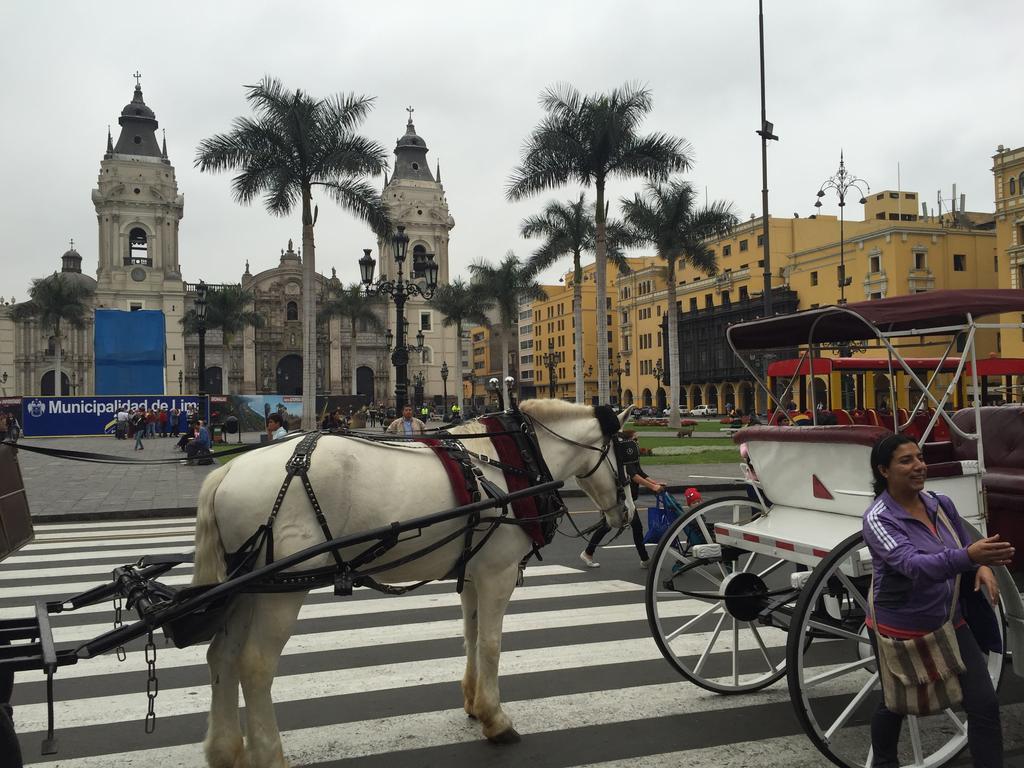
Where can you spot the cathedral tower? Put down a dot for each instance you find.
(416, 200)
(138, 209)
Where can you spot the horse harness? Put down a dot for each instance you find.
(520, 461)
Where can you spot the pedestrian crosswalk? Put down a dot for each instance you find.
(373, 680)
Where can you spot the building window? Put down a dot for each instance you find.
(959, 262)
(693, 303)
(726, 250)
(726, 299)
(135, 306)
(291, 311)
(425, 321)
(919, 260)
(743, 245)
(875, 295)
(814, 278)
(1013, 187)
(138, 248)
(743, 293)
(760, 241)
(708, 301)
(419, 261)
(875, 262)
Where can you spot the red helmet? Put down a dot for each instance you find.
(692, 496)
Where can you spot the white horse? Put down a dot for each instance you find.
(362, 486)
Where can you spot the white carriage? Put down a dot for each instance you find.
(773, 582)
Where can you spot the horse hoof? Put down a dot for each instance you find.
(510, 736)
(471, 716)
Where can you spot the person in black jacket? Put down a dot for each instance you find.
(637, 477)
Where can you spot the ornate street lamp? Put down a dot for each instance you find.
(181, 381)
(842, 183)
(418, 380)
(201, 322)
(550, 360)
(444, 384)
(400, 290)
(617, 372)
(659, 374)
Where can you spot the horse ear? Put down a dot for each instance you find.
(624, 415)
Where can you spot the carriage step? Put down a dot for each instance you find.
(707, 551)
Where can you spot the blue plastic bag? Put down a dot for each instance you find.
(660, 517)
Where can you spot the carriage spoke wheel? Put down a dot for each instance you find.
(705, 602)
(833, 678)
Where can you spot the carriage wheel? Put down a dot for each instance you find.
(833, 679)
(708, 606)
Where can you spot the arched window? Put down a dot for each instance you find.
(419, 261)
(291, 311)
(1020, 183)
(138, 248)
(51, 346)
(1013, 186)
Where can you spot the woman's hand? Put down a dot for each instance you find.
(658, 487)
(991, 551)
(985, 578)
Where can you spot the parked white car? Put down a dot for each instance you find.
(704, 410)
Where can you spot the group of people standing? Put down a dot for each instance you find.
(141, 423)
(10, 429)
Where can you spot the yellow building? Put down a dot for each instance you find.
(485, 363)
(1008, 175)
(893, 250)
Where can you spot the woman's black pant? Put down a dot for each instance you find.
(638, 536)
(984, 731)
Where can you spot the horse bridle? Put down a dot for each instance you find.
(616, 441)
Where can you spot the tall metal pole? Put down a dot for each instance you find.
(766, 134)
(202, 359)
(842, 249)
(400, 357)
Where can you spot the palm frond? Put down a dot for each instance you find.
(359, 198)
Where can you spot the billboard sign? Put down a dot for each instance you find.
(73, 416)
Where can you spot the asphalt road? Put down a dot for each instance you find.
(373, 681)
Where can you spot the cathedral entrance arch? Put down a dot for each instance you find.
(46, 386)
(364, 383)
(289, 375)
(214, 380)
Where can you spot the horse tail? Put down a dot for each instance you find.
(209, 558)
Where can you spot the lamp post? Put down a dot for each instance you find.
(617, 372)
(3, 382)
(418, 380)
(767, 133)
(550, 360)
(400, 290)
(201, 330)
(181, 382)
(444, 385)
(842, 182)
(659, 374)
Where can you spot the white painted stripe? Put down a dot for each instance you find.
(310, 746)
(118, 555)
(97, 537)
(368, 637)
(125, 523)
(409, 602)
(883, 536)
(779, 752)
(137, 542)
(306, 687)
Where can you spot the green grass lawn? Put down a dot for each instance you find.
(724, 456)
(220, 448)
(663, 440)
(702, 426)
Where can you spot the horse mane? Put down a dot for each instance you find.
(551, 409)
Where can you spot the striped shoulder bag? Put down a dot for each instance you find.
(921, 675)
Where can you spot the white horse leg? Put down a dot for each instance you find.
(469, 633)
(223, 745)
(493, 593)
(273, 619)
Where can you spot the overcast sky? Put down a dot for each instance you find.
(931, 85)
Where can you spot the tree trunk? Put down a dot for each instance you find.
(58, 384)
(226, 380)
(600, 275)
(671, 324)
(577, 316)
(353, 352)
(504, 364)
(308, 313)
(458, 365)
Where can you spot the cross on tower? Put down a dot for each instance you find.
(410, 110)
(138, 79)
(72, 243)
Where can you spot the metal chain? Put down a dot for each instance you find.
(121, 655)
(152, 684)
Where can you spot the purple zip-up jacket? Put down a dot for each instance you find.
(915, 569)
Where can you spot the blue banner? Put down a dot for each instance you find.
(129, 348)
(72, 416)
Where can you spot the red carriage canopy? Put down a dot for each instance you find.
(862, 320)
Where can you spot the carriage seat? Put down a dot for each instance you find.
(1002, 428)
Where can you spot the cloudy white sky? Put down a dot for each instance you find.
(932, 85)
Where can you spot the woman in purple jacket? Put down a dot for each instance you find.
(916, 561)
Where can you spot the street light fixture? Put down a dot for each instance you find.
(181, 381)
(550, 360)
(659, 374)
(842, 182)
(444, 384)
(400, 290)
(201, 329)
(617, 372)
(418, 380)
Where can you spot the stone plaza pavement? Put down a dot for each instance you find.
(59, 488)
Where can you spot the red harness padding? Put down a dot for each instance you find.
(508, 453)
(454, 471)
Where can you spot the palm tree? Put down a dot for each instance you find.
(507, 286)
(570, 228)
(227, 309)
(665, 217)
(588, 139)
(294, 143)
(52, 301)
(355, 306)
(460, 304)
